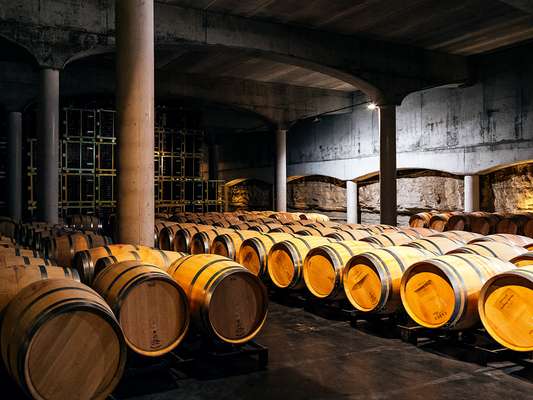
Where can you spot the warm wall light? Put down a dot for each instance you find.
(372, 106)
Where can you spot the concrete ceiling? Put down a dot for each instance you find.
(217, 62)
(464, 27)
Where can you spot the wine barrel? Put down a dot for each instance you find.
(201, 241)
(10, 259)
(508, 238)
(390, 239)
(182, 237)
(527, 229)
(418, 232)
(226, 300)
(151, 307)
(350, 227)
(513, 224)
(372, 279)
(315, 231)
(523, 260)
(63, 248)
(505, 307)
(483, 223)
(442, 292)
(439, 222)
(14, 278)
(229, 244)
(286, 229)
(323, 267)
(60, 340)
(160, 258)
(167, 233)
(437, 245)
(457, 222)
(464, 236)
(8, 227)
(354, 234)
(253, 253)
(314, 217)
(84, 222)
(84, 261)
(265, 228)
(17, 251)
(503, 251)
(420, 220)
(244, 226)
(285, 260)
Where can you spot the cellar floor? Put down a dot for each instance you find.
(316, 358)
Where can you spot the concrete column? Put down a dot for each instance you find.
(135, 105)
(471, 189)
(387, 164)
(48, 147)
(226, 198)
(14, 165)
(281, 170)
(352, 206)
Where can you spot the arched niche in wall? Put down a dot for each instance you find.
(507, 188)
(248, 194)
(417, 190)
(317, 193)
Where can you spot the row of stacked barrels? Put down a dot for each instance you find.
(78, 313)
(481, 222)
(450, 280)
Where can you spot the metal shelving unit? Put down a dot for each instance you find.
(88, 164)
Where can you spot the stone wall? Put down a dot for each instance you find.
(318, 194)
(509, 189)
(419, 191)
(250, 195)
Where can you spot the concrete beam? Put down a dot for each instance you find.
(472, 194)
(57, 31)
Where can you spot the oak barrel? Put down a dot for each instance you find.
(7, 260)
(372, 279)
(17, 251)
(226, 300)
(352, 234)
(390, 239)
(508, 238)
(60, 340)
(523, 259)
(323, 267)
(464, 236)
(201, 241)
(253, 254)
(63, 248)
(286, 258)
(229, 244)
(151, 307)
(420, 220)
(14, 278)
(503, 251)
(443, 291)
(438, 245)
(85, 261)
(167, 233)
(505, 307)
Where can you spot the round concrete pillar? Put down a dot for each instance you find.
(135, 105)
(387, 164)
(281, 170)
(471, 193)
(47, 183)
(14, 165)
(352, 207)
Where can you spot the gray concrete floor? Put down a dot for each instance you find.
(315, 358)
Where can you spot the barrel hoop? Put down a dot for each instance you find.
(180, 263)
(120, 275)
(303, 241)
(398, 259)
(347, 249)
(298, 262)
(108, 250)
(89, 238)
(269, 237)
(337, 268)
(165, 257)
(383, 271)
(75, 275)
(204, 267)
(457, 281)
(135, 254)
(472, 266)
(66, 271)
(432, 244)
(17, 252)
(385, 236)
(65, 306)
(43, 271)
(26, 259)
(492, 252)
